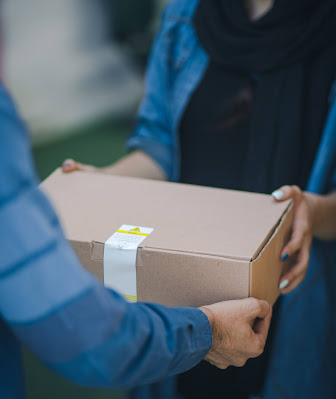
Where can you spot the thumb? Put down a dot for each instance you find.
(261, 327)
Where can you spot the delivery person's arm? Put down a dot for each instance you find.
(58, 310)
(71, 322)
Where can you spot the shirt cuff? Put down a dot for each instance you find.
(159, 152)
(203, 337)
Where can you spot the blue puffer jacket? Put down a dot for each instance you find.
(303, 357)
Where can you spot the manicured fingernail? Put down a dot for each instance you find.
(283, 284)
(67, 163)
(284, 257)
(278, 194)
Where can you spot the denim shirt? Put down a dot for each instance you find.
(59, 311)
(303, 358)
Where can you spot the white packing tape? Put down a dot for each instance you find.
(120, 252)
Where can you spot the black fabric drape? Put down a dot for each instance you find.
(289, 32)
(255, 122)
(292, 53)
(292, 49)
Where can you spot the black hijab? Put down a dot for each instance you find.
(292, 50)
(289, 32)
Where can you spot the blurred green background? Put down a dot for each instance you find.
(100, 145)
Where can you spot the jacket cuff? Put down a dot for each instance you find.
(203, 337)
(159, 152)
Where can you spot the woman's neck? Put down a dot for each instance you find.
(257, 8)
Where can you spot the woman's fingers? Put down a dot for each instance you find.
(301, 223)
(69, 165)
(300, 240)
(290, 280)
(286, 192)
(293, 284)
(300, 231)
(299, 228)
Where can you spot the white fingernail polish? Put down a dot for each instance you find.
(277, 194)
(283, 284)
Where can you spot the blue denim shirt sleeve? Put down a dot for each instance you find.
(62, 313)
(154, 132)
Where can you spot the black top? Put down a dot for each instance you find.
(256, 132)
(219, 147)
(214, 130)
(255, 121)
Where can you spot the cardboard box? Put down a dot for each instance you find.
(208, 244)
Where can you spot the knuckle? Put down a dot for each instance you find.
(241, 362)
(306, 258)
(260, 348)
(297, 190)
(301, 267)
(295, 244)
(295, 240)
(297, 273)
(259, 345)
(255, 304)
(297, 237)
(304, 228)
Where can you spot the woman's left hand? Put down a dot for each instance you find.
(298, 247)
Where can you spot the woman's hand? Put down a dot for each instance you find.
(135, 164)
(298, 247)
(69, 165)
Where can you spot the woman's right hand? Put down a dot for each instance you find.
(69, 165)
(135, 164)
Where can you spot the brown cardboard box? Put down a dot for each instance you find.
(208, 244)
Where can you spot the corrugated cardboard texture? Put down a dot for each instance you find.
(179, 279)
(90, 256)
(203, 238)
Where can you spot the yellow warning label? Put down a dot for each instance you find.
(131, 232)
(136, 229)
(130, 298)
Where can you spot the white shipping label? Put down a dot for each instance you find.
(120, 252)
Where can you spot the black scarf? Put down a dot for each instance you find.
(292, 49)
(289, 32)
